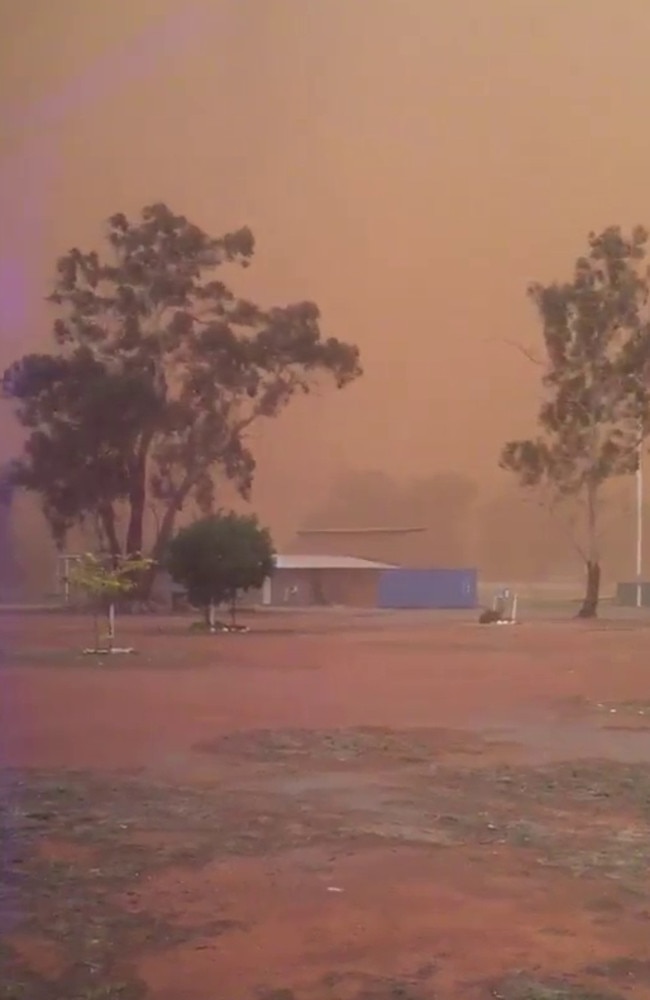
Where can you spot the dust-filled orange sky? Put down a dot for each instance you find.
(408, 164)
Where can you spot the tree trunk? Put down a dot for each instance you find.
(168, 520)
(164, 536)
(589, 607)
(137, 500)
(210, 616)
(135, 531)
(107, 516)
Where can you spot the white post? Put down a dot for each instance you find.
(639, 528)
(111, 625)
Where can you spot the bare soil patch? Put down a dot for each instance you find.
(351, 815)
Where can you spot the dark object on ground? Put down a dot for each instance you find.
(490, 616)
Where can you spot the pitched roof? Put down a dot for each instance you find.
(327, 562)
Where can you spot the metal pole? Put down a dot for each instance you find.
(639, 527)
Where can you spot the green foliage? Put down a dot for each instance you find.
(158, 370)
(596, 342)
(103, 582)
(219, 556)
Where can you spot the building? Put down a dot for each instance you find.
(307, 580)
(303, 581)
(633, 595)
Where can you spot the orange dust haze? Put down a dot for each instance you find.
(408, 164)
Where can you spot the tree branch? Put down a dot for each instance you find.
(524, 350)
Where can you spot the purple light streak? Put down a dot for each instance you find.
(115, 70)
(25, 183)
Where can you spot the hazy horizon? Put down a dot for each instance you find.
(410, 166)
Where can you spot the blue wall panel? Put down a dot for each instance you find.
(427, 588)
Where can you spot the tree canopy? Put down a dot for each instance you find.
(220, 556)
(104, 584)
(157, 372)
(594, 370)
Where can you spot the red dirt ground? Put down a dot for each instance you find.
(359, 892)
